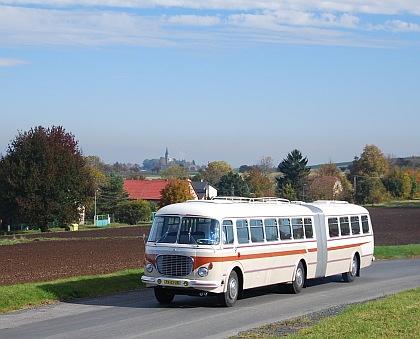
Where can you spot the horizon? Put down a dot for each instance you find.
(234, 80)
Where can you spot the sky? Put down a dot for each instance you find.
(232, 80)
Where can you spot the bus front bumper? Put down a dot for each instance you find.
(180, 283)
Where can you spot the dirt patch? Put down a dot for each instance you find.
(113, 249)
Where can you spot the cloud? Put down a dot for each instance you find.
(109, 22)
(401, 26)
(344, 6)
(194, 20)
(6, 62)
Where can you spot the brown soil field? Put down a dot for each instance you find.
(108, 250)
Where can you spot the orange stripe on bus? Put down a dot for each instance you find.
(335, 248)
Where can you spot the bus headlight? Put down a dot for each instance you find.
(203, 271)
(149, 267)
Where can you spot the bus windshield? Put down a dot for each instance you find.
(186, 230)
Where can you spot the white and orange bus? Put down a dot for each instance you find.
(226, 245)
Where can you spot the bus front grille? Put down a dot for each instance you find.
(174, 265)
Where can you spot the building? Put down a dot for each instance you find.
(149, 189)
(204, 190)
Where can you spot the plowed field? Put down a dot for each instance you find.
(113, 249)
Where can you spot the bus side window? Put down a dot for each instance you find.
(271, 232)
(242, 231)
(365, 224)
(344, 226)
(257, 232)
(284, 227)
(297, 226)
(333, 227)
(227, 229)
(309, 233)
(355, 225)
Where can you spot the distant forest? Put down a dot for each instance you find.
(136, 171)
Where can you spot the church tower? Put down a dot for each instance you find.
(166, 157)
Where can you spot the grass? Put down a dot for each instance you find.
(398, 204)
(22, 296)
(397, 252)
(397, 316)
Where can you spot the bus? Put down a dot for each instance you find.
(226, 245)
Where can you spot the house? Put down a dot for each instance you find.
(149, 189)
(204, 190)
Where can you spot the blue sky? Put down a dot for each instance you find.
(214, 80)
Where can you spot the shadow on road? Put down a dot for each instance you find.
(144, 298)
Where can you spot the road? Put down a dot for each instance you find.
(136, 314)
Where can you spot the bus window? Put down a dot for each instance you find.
(271, 232)
(365, 224)
(333, 227)
(242, 231)
(164, 229)
(297, 226)
(344, 226)
(257, 232)
(227, 229)
(355, 226)
(309, 233)
(285, 232)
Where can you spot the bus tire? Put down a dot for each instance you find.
(228, 298)
(299, 280)
(164, 295)
(351, 275)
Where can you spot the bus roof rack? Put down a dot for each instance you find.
(262, 200)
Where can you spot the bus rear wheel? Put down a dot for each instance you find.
(164, 295)
(351, 275)
(228, 299)
(299, 281)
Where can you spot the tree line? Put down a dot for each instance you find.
(44, 178)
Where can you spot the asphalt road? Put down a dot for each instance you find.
(136, 314)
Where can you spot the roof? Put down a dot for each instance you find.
(149, 189)
(144, 189)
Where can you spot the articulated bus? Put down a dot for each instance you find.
(226, 245)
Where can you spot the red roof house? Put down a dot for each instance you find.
(149, 189)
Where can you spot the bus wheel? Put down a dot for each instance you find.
(297, 285)
(228, 299)
(350, 276)
(164, 295)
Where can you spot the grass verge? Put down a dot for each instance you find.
(396, 316)
(22, 296)
(397, 252)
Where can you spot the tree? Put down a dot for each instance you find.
(371, 164)
(232, 184)
(175, 172)
(44, 178)
(111, 194)
(175, 191)
(215, 170)
(260, 185)
(133, 211)
(265, 165)
(293, 170)
(398, 183)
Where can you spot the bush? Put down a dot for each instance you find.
(133, 211)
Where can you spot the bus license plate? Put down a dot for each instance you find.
(171, 282)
